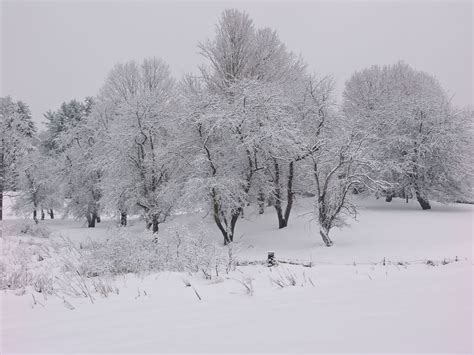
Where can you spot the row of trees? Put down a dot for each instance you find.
(254, 128)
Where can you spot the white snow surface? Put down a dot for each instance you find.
(348, 301)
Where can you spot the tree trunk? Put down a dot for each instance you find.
(155, 227)
(419, 193)
(51, 213)
(91, 218)
(277, 196)
(123, 219)
(325, 235)
(424, 203)
(283, 218)
(1, 202)
(2, 177)
(261, 202)
(233, 222)
(220, 220)
(35, 216)
(42, 214)
(227, 229)
(289, 193)
(153, 223)
(97, 218)
(422, 200)
(227, 238)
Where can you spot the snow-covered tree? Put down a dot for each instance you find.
(341, 164)
(231, 53)
(295, 137)
(416, 133)
(248, 112)
(220, 163)
(16, 133)
(72, 141)
(65, 118)
(135, 120)
(37, 188)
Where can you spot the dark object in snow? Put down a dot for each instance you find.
(123, 219)
(197, 294)
(271, 259)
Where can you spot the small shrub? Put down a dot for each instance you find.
(288, 278)
(26, 227)
(21, 266)
(247, 283)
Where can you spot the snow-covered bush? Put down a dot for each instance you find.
(59, 266)
(21, 277)
(174, 250)
(35, 230)
(25, 262)
(26, 227)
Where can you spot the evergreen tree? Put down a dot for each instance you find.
(17, 130)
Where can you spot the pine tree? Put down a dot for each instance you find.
(17, 130)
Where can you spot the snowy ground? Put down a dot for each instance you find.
(349, 301)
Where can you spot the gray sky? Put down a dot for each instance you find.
(56, 51)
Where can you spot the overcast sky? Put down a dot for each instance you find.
(56, 51)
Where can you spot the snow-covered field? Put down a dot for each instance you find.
(418, 301)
